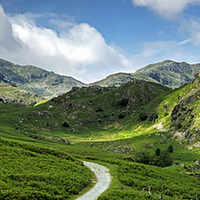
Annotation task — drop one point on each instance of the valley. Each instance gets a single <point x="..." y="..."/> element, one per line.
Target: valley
<point x="147" y="134"/>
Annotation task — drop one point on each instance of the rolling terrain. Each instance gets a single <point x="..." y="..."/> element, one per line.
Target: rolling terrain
<point x="147" y="134"/>
<point x="48" y="84"/>
<point x="13" y="94"/>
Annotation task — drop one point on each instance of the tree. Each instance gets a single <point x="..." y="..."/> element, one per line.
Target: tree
<point x="170" y="148"/>
<point x="157" y="151"/>
<point x="164" y="159"/>
<point x="65" y="124"/>
<point x="142" y="157"/>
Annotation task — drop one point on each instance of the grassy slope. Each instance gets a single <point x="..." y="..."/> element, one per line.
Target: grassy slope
<point x="129" y="132"/>
<point x="13" y="94"/>
<point x="30" y="172"/>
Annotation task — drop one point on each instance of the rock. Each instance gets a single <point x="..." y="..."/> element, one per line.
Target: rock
<point x="197" y="144"/>
<point x="192" y="167"/>
<point x="72" y="117"/>
<point x="197" y="162"/>
<point x="182" y="166"/>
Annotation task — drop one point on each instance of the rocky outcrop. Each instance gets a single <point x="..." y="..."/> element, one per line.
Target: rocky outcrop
<point x="33" y="79"/>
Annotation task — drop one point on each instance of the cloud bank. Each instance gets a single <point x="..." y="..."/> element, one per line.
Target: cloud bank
<point x="166" y="8"/>
<point x="78" y="50"/>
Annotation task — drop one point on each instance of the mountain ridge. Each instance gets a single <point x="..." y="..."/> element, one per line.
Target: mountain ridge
<point x="169" y="73"/>
<point x="42" y="82"/>
<point x="48" y="84"/>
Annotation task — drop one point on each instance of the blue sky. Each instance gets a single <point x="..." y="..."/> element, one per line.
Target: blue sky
<point x="90" y="39"/>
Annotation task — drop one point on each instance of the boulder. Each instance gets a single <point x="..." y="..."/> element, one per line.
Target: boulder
<point x="197" y="162"/>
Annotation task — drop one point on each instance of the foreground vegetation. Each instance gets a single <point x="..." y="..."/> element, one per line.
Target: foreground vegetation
<point x="148" y="182"/>
<point x="29" y="172"/>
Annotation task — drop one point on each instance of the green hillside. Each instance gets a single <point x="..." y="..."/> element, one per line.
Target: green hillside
<point x="11" y="94"/>
<point x="30" y="172"/>
<point x="145" y="133"/>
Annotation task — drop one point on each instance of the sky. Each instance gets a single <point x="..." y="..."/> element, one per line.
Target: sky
<point x="91" y="39"/>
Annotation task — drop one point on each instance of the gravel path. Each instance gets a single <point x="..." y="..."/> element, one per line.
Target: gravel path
<point x="103" y="181"/>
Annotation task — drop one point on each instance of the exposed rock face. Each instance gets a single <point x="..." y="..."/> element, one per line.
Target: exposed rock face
<point x="168" y="73"/>
<point x="9" y="93"/>
<point x="197" y="162"/>
<point x="33" y="79"/>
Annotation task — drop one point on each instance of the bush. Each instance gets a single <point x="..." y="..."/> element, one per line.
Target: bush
<point x="142" y="157"/>
<point x="122" y="103"/>
<point x="99" y="109"/>
<point x="157" y="152"/>
<point x="164" y="159"/>
<point x="143" y="116"/>
<point x="121" y="115"/>
<point x="65" y="124"/>
<point x="170" y="149"/>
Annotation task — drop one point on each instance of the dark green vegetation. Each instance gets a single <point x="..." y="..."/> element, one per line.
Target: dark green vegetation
<point x="30" y="172"/>
<point x="148" y="182"/>
<point x="168" y="73"/>
<point x="36" y="80"/>
<point x="117" y="126"/>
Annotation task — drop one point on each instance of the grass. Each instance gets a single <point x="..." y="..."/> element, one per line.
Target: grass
<point x="30" y="172"/>
<point x="95" y="137"/>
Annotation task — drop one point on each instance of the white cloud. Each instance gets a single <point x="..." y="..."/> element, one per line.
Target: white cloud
<point x="167" y="8"/>
<point x="191" y="28"/>
<point x="79" y="50"/>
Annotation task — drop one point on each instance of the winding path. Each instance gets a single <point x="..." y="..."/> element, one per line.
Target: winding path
<point x="103" y="181"/>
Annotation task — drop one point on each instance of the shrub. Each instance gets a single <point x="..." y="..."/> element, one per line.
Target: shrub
<point x="164" y="159"/>
<point x="65" y="124"/>
<point x="170" y="148"/>
<point x="121" y="115"/>
<point x="157" y="152"/>
<point x="143" y="116"/>
<point x="99" y="109"/>
<point x="122" y="103"/>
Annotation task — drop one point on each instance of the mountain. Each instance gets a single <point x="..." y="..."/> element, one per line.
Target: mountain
<point x="137" y="106"/>
<point x="33" y="79"/>
<point x="115" y="80"/>
<point x="48" y="84"/>
<point x="95" y="110"/>
<point x="168" y="73"/>
<point x="12" y="94"/>
<point x="117" y="126"/>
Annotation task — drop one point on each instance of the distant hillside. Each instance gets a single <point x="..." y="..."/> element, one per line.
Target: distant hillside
<point x="85" y="110"/>
<point x="135" y="107"/>
<point x="115" y="80"/>
<point x="33" y="79"/>
<point x="12" y="94"/>
<point x="168" y="73"/>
